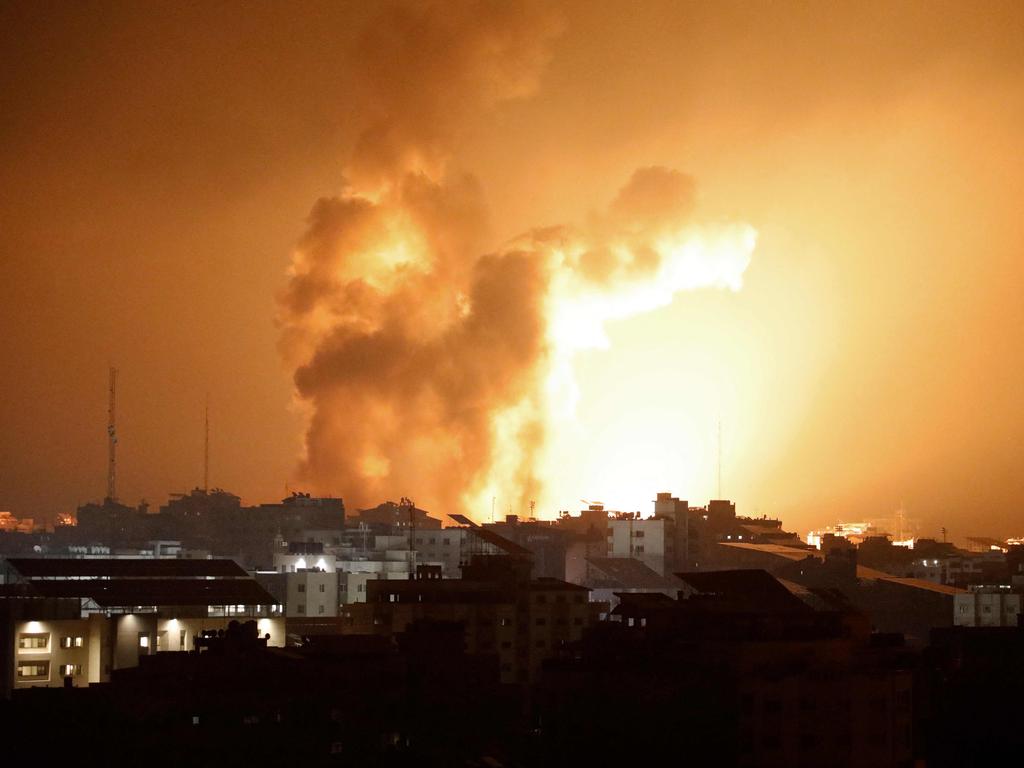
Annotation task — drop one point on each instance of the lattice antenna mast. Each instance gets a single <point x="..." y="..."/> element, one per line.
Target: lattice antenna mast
<point x="112" y="439"/>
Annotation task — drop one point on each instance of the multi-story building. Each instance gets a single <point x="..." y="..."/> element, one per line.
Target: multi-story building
<point x="75" y="621"/>
<point x="521" y="620"/>
<point x="987" y="606"/>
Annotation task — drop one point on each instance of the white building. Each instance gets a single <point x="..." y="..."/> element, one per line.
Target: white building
<point x="83" y="618"/>
<point x="987" y="606"/>
<point x="312" y="593"/>
<point x="650" y="541"/>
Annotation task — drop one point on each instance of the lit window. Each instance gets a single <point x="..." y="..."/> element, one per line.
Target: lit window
<point x="70" y="670"/>
<point x="71" y="642"/>
<point x="34" y="641"/>
<point x="33" y="670"/>
<point x="143" y="640"/>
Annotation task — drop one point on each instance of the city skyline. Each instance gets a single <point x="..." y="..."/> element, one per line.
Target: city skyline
<point x="863" y="358"/>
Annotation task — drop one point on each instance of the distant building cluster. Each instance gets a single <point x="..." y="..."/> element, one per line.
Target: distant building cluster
<point x="582" y="631"/>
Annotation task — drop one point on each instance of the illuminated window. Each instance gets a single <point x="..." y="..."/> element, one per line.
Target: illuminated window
<point x="71" y="642"/>
<point x="72" y="670"/>
<point x="143" y="640"/>
<point x="33" y="670"/>
<point x="33" y="641"/>
<point x="182" y="645"/>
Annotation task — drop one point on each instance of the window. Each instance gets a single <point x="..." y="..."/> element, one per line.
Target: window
<point x="182" y="645"/>
<point x="638" y="535"/>
<point x="361" y="587"/>
<point x="72" y="670"/>
<point x="33" y="641"/>
<point x="321" y="609"/>
<point x="71" y="642"/>
<point x="302" y="587"/>
<point x="506" y="622"/>
<point x="143" y="640"/>
<point x="33" y="670"/>
<point x="300" y="608"/>
<point x="321" y="587"/>
<point x="161" y="641"/>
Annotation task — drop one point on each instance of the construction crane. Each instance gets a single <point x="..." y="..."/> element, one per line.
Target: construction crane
<point x="112" y="440"/>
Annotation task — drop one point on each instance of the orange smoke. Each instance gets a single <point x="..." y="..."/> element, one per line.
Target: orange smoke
<point x="425" y="367"/>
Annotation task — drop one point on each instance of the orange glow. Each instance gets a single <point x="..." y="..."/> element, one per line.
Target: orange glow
<point x="405" y="255"/>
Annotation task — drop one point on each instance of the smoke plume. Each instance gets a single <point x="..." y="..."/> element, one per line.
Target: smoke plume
<point x="427" y="368"/>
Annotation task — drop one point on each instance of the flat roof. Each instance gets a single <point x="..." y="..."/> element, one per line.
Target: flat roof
<point x="68" y="568"/>
<point x="109" y="593"/>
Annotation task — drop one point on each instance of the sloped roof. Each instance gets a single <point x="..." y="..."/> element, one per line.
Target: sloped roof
<point x="626" y="572"/>
<point x="779" y="550"/>
<point x="752" y="590"/>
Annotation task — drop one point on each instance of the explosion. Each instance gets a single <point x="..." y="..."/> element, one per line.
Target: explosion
<point x="425" y="366"/>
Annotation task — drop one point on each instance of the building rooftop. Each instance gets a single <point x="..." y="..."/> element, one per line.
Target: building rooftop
<point x="140" y="568"/>
<point x="627" y="572"/>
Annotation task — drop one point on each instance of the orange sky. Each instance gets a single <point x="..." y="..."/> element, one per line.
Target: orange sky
<point x="157" y="164"/>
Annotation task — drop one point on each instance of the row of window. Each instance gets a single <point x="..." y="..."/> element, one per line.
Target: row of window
<point x="301" y="608"/>
<point x="40" y="670"/>
<point x="40" y="641"/>
<point x="302" y="587"/>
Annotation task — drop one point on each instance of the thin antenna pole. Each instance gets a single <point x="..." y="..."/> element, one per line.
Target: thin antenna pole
<point x="720" y="459"/>
<point x="206" y="450"/>
<point x="112" y="439"/>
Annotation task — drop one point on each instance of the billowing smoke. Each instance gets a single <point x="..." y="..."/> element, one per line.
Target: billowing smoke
<point x="427" y="368"/>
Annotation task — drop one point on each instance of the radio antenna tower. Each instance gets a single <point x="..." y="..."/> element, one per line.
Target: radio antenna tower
<point x="720" y="458"/>
<point x="112" y="440"/>
<point x="206" y="449"/>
